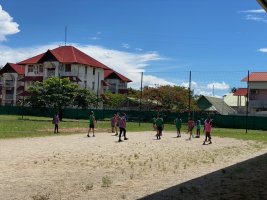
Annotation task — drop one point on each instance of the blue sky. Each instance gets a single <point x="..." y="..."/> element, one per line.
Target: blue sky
<point x="219" y="42"/>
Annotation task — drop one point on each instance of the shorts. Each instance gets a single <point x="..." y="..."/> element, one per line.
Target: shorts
<point x="190" y="128"/>
<point x="91" y="126"/>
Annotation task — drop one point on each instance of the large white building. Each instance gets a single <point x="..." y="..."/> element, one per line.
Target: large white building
<point x="64" y="61"/>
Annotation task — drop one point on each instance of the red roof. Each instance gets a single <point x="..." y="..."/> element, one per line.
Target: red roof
<point x="11" y="67"/>
<point x="67" y="54"/>
<point x="107" y="73"/>
<point x="256" y="77"/>
<point x="241" y="92"/>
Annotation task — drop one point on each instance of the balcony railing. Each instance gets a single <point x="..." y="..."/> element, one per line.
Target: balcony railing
<point x="9" y="96"/>
<point x="258" y="103"/>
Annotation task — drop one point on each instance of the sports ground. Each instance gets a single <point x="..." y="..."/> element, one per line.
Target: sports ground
<point x="76" y="167"/>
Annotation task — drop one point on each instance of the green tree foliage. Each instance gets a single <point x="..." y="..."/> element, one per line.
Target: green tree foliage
<point x="114" y="100"/>
<point x="173" y="98"/>
<point x="84" y="98"/>
<point x="59" y="93"/>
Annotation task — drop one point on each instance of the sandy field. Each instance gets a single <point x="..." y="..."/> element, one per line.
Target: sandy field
<point x="77" y="167"/>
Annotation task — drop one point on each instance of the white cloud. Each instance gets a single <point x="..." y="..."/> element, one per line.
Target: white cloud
<point x="125" y="45"/>
<point x="256" y="18"/>
<point x="218" y="86"/>
<point x="94" y="38"/>
<point x="138" y="49"/>
<point x="7" y="26"/>
<point x="263" y="50"/>
<point x="253" y="11"/>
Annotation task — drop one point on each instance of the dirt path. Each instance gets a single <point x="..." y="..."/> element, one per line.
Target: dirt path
<point x="77" y="167"/>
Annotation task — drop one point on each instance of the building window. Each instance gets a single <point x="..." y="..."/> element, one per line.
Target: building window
<point x="30" y="68"/>
<point x="85" y="84"/>
<point x="41" y="69"/>
<point x="93" y="85"/>
<point x="94" y="71"/>
<point x="85" y="70"/>
<point x="254" y="91"/>
<point x="67" y="67"/>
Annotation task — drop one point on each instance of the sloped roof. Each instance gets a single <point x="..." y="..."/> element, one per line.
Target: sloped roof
<point x="215" y="104"/>
<point x="107" y="73"/>
<point x="241" y="92"/>
<point x="67" y="54"/>
<point x="11" y="67"/>
<point x="256" y="77"/>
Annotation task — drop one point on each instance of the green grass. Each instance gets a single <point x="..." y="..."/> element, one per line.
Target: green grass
<point x="13" y="126"/>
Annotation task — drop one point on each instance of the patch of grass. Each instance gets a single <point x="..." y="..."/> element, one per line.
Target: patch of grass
<point x="41" y="197"/>
<point x="106" y="181"/>
<point x="241" y="134"/>
<point x="13" y="126"/>
<point x="89" y="186"/>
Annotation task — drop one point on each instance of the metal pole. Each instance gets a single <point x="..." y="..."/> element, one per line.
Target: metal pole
<point x="66" y="35"/>
<point x="189" y="95"/>
<point x="141" y="94"/>
<point x="247" y="102"/>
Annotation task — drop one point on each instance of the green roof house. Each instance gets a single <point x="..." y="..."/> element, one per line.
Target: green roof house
<point x="214" y="104"/>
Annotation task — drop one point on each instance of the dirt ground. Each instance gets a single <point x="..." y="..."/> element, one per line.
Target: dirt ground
<point x="77" y="167"/>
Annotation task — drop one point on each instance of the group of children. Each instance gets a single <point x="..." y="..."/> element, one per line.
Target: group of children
<point x="118" y="121"/>
<point x="191" y="124"/>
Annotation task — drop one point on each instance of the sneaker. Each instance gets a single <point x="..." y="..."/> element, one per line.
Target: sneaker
<point x="204" y="143"/>
<point x="88" y="135"/>
<point x="210" y="142"/>
<point x="120" y="140"/>
<point x="125" y="138"/>
<point x="93" y="135"/>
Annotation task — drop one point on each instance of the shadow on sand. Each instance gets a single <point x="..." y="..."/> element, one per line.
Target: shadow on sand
<point x="245" y="180"/>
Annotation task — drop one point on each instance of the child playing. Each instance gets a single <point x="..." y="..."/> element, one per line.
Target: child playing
<point x="122" y="126"/>
<point x="208" y="127"/>
<point x="154" y="123"/>
<point x="178" y="124"/>
<point x="91" y="124"/>
<point x="114" y="124"/>
<point x="191" y="125"/>
<point x="198" y="125"/>
<point x="55" y="121"/>
<point x="160" y="126"/>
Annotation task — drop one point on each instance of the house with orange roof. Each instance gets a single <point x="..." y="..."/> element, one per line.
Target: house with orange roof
<point x="116" y="82"/>
<point x="257" y="91"/>
<point x="63" y="62"/>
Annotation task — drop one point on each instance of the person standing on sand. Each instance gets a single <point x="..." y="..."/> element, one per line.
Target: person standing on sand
<point x="113" y="124"/>
<point x="122" y="126"/>
<point x="117" y="118"/>
<point x="91" y="124"/>
<point x="178" y="124"/>
<point x="198" y="125"/>
<point x="208" y="127"/>
<point x="160" y="126"/>
<point x="55" y="121"/>
<point x="191" y="125"/>
<point x="154" y="123"/>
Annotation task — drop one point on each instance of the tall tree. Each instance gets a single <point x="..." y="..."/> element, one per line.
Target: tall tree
<point x="58" y="94"/>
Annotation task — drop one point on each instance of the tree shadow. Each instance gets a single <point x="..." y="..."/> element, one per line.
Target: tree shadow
<point x="245" y="180"/>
